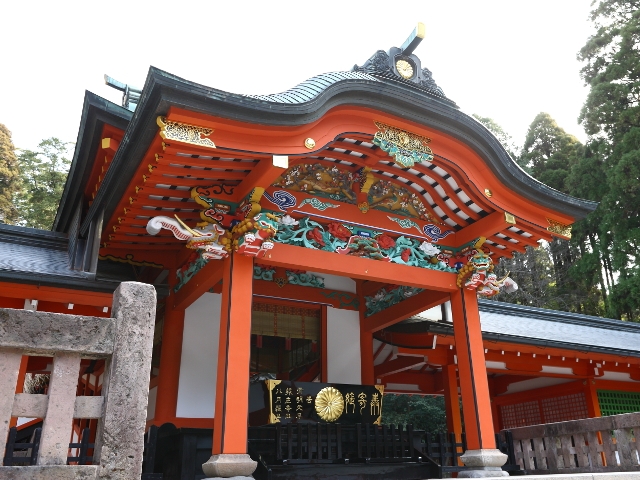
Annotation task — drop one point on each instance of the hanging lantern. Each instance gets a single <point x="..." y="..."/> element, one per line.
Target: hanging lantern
<point x="259" y="341"/>
<point x="287" y="344"/>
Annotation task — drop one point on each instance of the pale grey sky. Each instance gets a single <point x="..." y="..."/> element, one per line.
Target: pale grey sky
<point x="505" y="59"/>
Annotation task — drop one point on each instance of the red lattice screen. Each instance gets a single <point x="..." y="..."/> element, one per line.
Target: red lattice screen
<point x="520" y="414"/>
<point x="567" y="407"/>
<point x="546" y="410"/>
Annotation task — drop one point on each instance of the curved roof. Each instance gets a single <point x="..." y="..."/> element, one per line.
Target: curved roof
<point x="443" y="183"/>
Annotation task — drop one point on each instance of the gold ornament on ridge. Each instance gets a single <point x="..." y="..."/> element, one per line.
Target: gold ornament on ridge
<point x="185" y="133"/>
<point x="559" y="228"/>
<point x="405" y="69"/>
<point x="329" y="404"/>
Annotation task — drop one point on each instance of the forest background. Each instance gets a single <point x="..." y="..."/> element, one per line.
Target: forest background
<point x="597" y="272"/>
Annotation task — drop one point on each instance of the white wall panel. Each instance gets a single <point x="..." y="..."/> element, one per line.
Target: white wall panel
<point x="343" y="346"/>
<point x="198" y="365"/>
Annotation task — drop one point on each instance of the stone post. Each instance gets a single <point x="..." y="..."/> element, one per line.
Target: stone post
<point x="119" y="441"/>
<point x="56" y="427"/>
<point x="9" y="367"/>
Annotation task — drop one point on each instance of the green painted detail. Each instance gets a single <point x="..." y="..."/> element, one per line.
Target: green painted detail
<point x="362" y="242"/>
<point x="346" y="300"/>
<point x="188" y="270"/>
<point x="405" y="157"/>
<point x="317" y="204"/>
<point x="405" y="223"/>
<point x="263" y="273"/>
<point x="304" y="279"/>
<point x="387" y="298"/>
<point x="614" y="402"/>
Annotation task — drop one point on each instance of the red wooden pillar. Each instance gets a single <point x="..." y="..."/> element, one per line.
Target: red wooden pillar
<point x="367" y="372"/>
<point x="591" y="395"/>
<point x="474" y="387"/>
<point x="234" y="354"/>
<point x="170" y="355"/>
<point x="452" y="400"/>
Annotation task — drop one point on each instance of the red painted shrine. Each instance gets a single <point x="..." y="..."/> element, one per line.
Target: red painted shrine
<point x="340" y="232"/>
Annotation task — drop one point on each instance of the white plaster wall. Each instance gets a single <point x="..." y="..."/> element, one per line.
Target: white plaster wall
<point x="151" y="405"/>
<point x="343" y="346"/>
<point x="335" y="282"/>
<point x="198" y="365"/>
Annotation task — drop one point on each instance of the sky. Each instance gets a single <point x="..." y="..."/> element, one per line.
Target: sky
<point x="508" y="60"/>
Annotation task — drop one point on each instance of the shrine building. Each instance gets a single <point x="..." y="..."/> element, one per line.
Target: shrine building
<point x="313" y="251"/>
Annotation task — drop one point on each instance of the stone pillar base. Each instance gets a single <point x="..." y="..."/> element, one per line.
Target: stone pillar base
<point x="485" y="463"/>
<point x="230" y="466"/>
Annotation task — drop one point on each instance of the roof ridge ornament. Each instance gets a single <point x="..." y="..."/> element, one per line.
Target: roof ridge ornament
<point x="130" y="95"/>
<point x="401" y="63"/>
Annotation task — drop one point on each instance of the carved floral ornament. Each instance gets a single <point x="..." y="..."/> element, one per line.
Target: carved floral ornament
<point x="406" y="148"/>
<point x="559" y="228"/>
<point x="246" y="229"/>
<point x="185" y="133"/>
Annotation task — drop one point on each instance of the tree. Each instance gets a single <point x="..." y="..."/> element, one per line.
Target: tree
<point x="44" y="173"/>
<point x="549" y="152"/>
<point x="612" y="69"/>
<point x="503" y="137"/>
<point x="424" y="413"/>
<point x="611" y="115"/>
<point x="9" y="176"/>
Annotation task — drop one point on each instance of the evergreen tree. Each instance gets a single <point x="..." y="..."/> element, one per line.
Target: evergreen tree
<point x="424" y="413"/>
<point x="44" y="173"/>
<point x="9" y="176"/>
<point x="611" y="168"/>
<point x="549" y="152"/>
<point x="503" y="137"/>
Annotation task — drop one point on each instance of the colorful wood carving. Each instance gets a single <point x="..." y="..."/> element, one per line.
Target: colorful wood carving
<point x="354" y="240"/>
<point x="478" y="275"/>
<point x="361" y="188"/>
<point x="406" y="148"/>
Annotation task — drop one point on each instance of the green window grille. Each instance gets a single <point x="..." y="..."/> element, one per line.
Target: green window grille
<point x="615" y="403"/>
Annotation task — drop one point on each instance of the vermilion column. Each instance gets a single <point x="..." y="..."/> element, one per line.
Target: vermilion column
<point x="367" y="372"/>
<point x="474" y="387"/>
<point x="234" y="352"/>
<point x="591" y="394"/>
<point x="452" y="400"/>
<point x="170" y="355"/>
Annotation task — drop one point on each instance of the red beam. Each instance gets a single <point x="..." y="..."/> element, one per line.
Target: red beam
<point x="320" y="261"/>
<point x="262" y="175"/>
<point x="403" y="310"/>
<point x="324" y="296"/>
<point x="200" y="283"/>
<point x="485" y="227"/>
<point x="398" y="365"/>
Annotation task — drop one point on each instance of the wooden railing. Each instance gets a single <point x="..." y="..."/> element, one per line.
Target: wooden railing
<point x="605" y="444"/>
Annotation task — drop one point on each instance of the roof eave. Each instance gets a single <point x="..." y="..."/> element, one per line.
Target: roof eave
<point x="96" y="111"/>
<point x="163" y="90"/>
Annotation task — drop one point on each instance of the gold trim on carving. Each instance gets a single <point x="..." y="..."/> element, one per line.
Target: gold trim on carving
<point x="509" y="218"/>
<point x="558" y="228"/>
<point x="402" y="138"/>
<point x="488" y="193"/>
<point x="129" y="259"/>
<point x="310" y="143"/>
<point x="329" y="404"/>
<point x="271" y="384"/>
<point x="185" y="133"/>
<point x="380" y="388"/>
